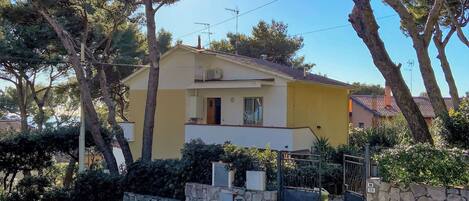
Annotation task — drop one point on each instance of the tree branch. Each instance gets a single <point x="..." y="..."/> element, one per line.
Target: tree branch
<point x="406" y="17"/>
<point x="432" y="19"/>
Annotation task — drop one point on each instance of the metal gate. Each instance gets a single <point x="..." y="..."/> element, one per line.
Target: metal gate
<point x="356" y="171"/>
<point x="299" y="176"/>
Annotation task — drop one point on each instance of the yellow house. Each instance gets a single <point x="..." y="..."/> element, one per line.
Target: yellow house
<point x="219" y="97"/>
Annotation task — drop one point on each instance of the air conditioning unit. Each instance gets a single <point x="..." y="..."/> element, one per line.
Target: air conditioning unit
<point x="214" y="74"/>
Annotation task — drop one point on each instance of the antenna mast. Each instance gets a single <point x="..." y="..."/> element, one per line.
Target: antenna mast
<point x="410" y="63"/>
<point x="236" y="12"/>
<point x="207" y="27"/>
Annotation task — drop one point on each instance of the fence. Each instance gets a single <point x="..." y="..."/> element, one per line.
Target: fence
<point x="299" y="176"/>
<point x="356" y="170"/>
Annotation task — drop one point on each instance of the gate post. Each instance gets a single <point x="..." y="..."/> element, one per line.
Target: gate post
<point x="280" y="175"/>
<point x="367" y="164"/>
<point x="320" y="173"/>
<point x="367" y="161"/>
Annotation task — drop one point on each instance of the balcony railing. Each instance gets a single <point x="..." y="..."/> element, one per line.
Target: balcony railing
<point x="276" y="138"/>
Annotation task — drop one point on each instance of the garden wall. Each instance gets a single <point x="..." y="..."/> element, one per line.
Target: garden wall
<point x="382" y="191"/>
<point x="203" y="192"/>
<point x="136" y="197"/>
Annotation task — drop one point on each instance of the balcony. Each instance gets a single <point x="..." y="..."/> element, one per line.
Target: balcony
<point x="277" y="138"/>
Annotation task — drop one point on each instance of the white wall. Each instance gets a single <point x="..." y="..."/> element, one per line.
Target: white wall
<point x="232" y="104"/>
<point x="176" y="72"/>
<point x="259" y="137"/>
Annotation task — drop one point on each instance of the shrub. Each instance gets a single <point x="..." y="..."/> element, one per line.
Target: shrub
<point x="159" y="177"/>
<point x="57" y="194"/>
<point x="30" y="188"/>
<point x="456" y="133"/>
<point x="422" y="163"/>
<point x="386" y="134"/>
<point x="244" y="159"/>
<point x="197" y="159"/>
<point x="167" y="178"/>
<point x="97" y="186"/>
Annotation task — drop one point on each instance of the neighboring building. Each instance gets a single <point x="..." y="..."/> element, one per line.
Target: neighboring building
<point x="10" y="125"/>
<point x="219" y="97"/>
<point x="368" y="110"/>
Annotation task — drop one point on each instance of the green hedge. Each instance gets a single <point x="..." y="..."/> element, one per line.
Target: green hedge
<point x="167" y="178"/>
<point x="423" y="163"/>
<point x="96" y="185"/>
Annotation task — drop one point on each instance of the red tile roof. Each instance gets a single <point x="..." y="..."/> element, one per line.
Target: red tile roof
<point x="424" y="104"/>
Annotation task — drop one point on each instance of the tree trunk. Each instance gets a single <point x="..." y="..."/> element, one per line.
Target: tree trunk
<point x="364" y="23"/>
<point x="440" y="45"/>
<point x="68" y="178"/>
<point x="116" y="129"/>
<point x="421" y="40"/>
<point x="153" y="79"/>
<point x="429" y="79"/>
<point x="40" y="118"/>
<point x="22" y="104"/>
<point x="91" y="115"/>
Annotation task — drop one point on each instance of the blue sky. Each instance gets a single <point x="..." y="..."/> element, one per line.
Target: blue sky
<point x="338" y="52"/>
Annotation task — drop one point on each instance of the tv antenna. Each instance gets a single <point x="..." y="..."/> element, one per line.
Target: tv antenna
<point x="410" y="68"/>
<point x="236" y="12"/>
<point x="207" y="27"/>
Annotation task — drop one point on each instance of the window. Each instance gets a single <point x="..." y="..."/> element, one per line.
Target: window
<point x="253" y="111"/>
<point x="361" y="125"/>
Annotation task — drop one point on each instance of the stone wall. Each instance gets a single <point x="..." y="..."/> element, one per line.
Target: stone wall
<point x="137" y="197"/>
<point x="382" y="191"/>
<point x="202" y="192"/>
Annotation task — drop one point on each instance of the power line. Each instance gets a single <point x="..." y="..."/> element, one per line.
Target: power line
<point x="42" y="61"/>
<point x="337" y="26"/>
<point x="229" y="19"/>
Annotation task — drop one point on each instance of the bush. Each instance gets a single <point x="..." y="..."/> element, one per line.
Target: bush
<point x="167" y="178"/>
<point x="159" y="177"/>
<point x="197" y="159"/>
<point x="30" y="188"/>
<point x="97" y="186"/>
<point x="456" y="133"/>
<point x="423" y="163"/>
<point x="387" y="134"/>
<point x="244" y="159"/>
<point x="57" y="194"/>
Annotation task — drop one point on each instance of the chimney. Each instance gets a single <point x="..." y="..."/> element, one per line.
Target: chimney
<point x="305" y="72"/>
<point x="387" y="96"/>
<point x="199" y="41"/>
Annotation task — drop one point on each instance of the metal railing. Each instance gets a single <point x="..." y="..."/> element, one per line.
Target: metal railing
<point x="356" y="169"/>
<point x="299" y="171"/>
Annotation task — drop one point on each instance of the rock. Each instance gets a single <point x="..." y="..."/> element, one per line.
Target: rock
<point x="423" y="198"/>
<point x="407" y="196"/>
<point x="383" y="197"/>
<point x="437" y="193"/>
<point x="268" y="195"/>
<point x="454" y="197"/>
<point x="452" y="191"/>
<point x="384" y="186"/>
<point x="257" y="197"/>
<point x="394" y="194"/>
<point x="418" y="190"/>
<point x="465" y="193"/>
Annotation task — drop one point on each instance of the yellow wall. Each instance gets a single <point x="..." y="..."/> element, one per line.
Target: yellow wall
<point x="168" y="137"/>
<point x="316" y="105"/>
